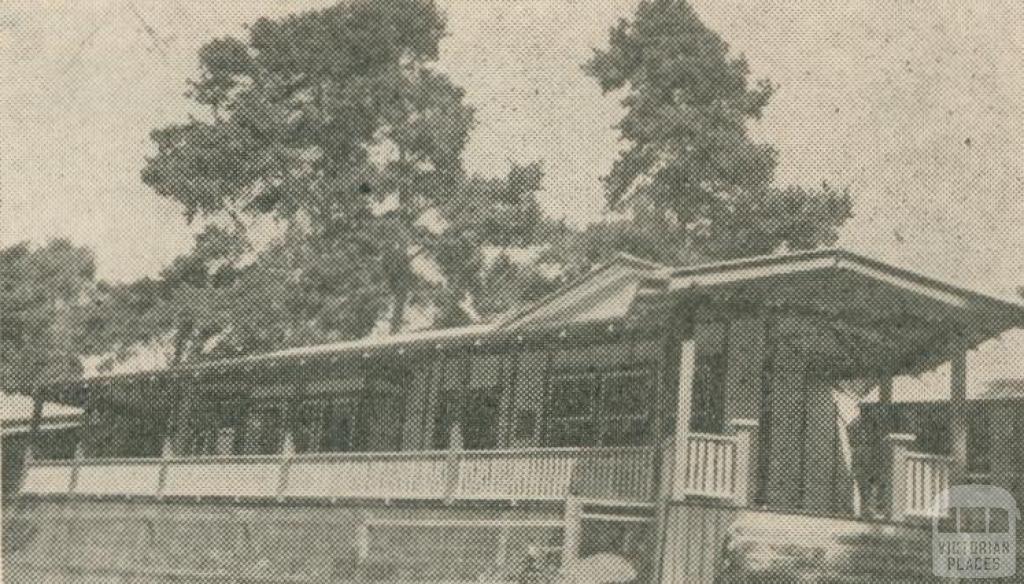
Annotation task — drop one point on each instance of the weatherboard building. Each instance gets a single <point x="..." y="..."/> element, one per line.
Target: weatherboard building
<point x="674" y="417"/>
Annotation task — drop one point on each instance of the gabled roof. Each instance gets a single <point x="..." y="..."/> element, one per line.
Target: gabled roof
<point x="606" y="293"/>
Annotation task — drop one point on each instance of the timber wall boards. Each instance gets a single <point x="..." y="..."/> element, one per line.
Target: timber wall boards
<point x="79" y="541"/>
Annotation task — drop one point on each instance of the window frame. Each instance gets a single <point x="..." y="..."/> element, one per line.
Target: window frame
<point x="597" y="420"/>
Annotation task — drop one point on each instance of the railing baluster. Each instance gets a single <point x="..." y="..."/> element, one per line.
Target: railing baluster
<point x="546" y="473"/>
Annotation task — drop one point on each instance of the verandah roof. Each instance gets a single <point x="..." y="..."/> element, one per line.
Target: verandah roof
<point x="893" y="319"/>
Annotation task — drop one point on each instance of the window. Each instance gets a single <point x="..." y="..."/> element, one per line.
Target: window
<point x="571" y="410"/>
<point x="263" y="431"/>
<point x="625" y="398"/>
<point x="325" y="424"/>
<point x="219" y="427"/>
<point x="380" y="416"/>
<point x="526" y="424"/>
<point x="607" y="408"/>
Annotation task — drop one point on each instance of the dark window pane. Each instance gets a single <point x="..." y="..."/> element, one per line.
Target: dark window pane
<point x="480" y="418"/>
<point x="624" y="394"/>
<point x="572" y="396"/>
<point x="947" y="524"/>
<point x="998" y="520"/>
<point x="263" y="431"/>
<point x="565" y="433"/>
<point x="708" y="414"/>
<point x="526" y="424"/>
<point x="972" y="519"/>
<point x="626" y="432"/>
<point x="978" y="443"/>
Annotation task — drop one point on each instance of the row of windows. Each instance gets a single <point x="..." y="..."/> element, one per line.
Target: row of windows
<point x="319" y="424"/>
<point x="611" y="407"/>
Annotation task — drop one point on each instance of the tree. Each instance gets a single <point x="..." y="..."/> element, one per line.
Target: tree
<point x="695" y="184"/>
<point x="39" y="289"/>
<point x="333" y="128"/>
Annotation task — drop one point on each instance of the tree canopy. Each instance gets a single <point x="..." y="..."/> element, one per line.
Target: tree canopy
<point x="333" y="127"/>
<point x="326" y="174"/>
<point x="38" y="290"/>
<point x="693" y="181"/>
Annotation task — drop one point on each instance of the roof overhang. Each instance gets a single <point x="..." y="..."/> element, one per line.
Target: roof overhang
<point x="762" y="267"/>
<point x="897" y="316"/>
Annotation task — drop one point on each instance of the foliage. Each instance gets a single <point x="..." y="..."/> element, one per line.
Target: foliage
<point x="38" y="290"/>
<point x="694" y="182"/>
<point x="333" y="125"/>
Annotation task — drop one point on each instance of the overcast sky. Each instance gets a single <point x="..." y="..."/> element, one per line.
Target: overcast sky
<point x="917" y="106"/>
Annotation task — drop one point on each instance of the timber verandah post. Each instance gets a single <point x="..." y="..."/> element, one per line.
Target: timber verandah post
<point x="33" y="434"/>
<point x="745" y="471"/>
<point x="958" y="414"/>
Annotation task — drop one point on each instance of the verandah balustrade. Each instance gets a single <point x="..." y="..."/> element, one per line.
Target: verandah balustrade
<point x="710" y="466"/>
<point x="526" y="474"/>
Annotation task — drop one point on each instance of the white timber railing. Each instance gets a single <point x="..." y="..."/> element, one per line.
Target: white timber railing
<point x="916" y="480"/>
<point x="927" y="479"/>
<point x="713" y="466"/>
<point x="710" y="466"/>
<point x="524" y="474"/>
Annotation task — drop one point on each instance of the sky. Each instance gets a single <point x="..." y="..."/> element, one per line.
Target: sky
<point x="917" y="106"/>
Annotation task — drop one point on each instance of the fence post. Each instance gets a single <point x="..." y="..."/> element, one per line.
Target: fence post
<point x="899" y="445"/>
<point x="744" y="478"/>
<point x="663" y="495"/>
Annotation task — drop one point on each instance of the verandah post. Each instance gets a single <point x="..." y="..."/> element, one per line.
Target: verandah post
<point x="745" y="477"/>
<point x="958" y="415"/>
<point x="687" y="363"/>
<point x="31" y="452"/>
<point x="452" y="462"/>
<point x="899" y="446"/>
